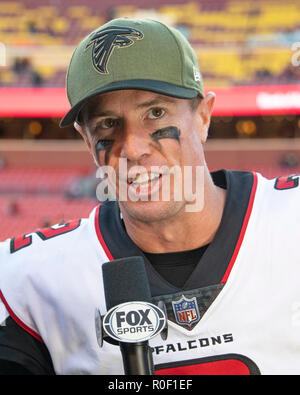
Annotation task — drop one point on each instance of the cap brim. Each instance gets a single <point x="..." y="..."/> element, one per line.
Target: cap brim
<point x="161" y="87"/>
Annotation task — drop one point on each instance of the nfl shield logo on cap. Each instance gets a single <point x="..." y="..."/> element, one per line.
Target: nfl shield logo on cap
<point x="186" y="311"/>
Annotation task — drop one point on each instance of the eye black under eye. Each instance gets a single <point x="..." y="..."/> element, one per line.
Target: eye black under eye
<point x="104" y="144"/>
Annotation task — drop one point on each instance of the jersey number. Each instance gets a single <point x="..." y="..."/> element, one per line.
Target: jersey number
<point x="286" y="182"/>
<point x="227" y="364"/>
<point x="17" y="243"/>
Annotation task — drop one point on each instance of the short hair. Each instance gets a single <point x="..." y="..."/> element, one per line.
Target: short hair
<point x="194" y="103"/>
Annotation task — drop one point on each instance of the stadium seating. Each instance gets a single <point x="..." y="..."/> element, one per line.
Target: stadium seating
<point x="27" y="214"/>
<point x="32" y="198"/>
<point x="253" y="39"/>
<point x="34" y="180"/>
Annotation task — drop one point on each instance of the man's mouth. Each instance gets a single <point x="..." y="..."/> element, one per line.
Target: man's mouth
<point x="144" y="186"/>
<point x="143" y="180"/>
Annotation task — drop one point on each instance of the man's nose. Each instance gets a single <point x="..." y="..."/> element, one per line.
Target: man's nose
<point x="136" y="142"/>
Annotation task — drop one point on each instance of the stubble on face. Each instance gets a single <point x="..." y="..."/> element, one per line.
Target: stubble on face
<point x="171" y="146"/>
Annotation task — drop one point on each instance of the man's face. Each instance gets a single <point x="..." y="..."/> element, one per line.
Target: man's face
<point x="141" y="136"/>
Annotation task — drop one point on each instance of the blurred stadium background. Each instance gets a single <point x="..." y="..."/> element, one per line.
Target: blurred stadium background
<point x="249" y="54"/>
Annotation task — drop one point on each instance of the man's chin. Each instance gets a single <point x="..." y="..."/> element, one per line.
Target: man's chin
<point x="150" y="211"/>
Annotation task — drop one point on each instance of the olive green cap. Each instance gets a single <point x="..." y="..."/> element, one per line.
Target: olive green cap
<point x="132" y="54"/>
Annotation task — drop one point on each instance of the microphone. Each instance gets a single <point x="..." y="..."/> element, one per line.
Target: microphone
<point x="131" y="318"/>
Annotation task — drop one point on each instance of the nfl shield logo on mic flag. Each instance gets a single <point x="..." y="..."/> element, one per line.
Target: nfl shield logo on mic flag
<point x="186" y="311"/>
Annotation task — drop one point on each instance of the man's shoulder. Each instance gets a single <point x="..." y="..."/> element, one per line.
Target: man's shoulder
<point x="66" y="244"/>
<point x="281" y="188"/>
<point x="276" y="204"/>
<point x="44" y="240"/>
<point x="278" y="196"/>
<point x="47" y="275"/>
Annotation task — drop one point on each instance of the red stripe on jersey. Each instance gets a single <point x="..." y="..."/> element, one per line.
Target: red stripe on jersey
<point x="18" y="321"/>
<point x="99" y="234"/>
<point x="243" y="230"/>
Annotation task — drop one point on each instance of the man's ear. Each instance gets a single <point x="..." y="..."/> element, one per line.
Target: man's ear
<point x="205" y="110"/>
<point x="80" y="129"/>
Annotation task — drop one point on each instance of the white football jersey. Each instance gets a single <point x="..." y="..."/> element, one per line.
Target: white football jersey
<point x="238" y="313"/>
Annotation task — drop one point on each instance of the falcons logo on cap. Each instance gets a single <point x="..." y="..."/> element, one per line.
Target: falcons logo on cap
<point x="104" y="42"/>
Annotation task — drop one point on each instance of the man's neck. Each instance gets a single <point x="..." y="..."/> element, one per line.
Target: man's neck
<point x="185" y="230"/>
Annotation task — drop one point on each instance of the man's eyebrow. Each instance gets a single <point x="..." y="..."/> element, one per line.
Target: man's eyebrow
<point x="155" y="102"/>
<point x="100" y="114"/>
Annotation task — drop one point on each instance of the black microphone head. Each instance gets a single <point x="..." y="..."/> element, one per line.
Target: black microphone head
<point x="125" y="280"/>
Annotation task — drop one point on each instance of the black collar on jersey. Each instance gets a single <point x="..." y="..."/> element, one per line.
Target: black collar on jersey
<point x="215" y="265"/>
